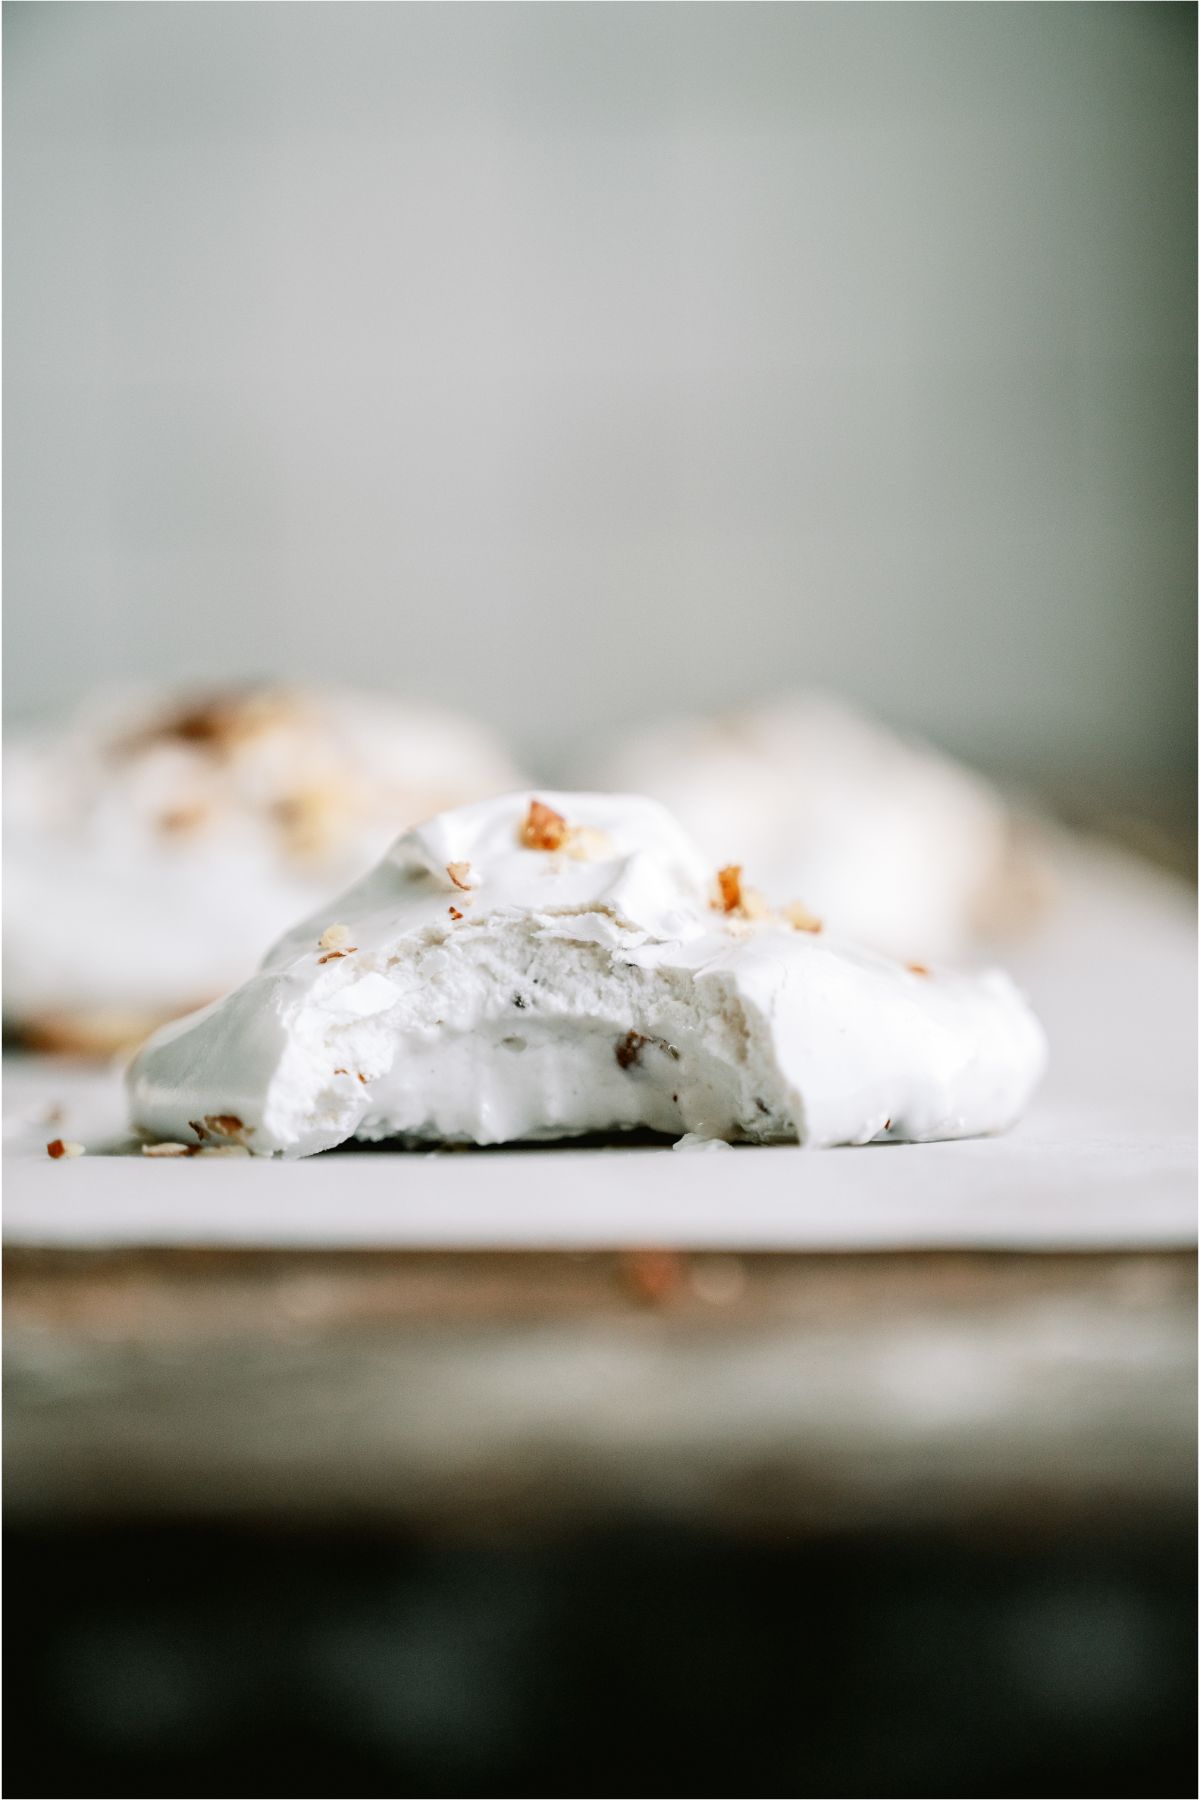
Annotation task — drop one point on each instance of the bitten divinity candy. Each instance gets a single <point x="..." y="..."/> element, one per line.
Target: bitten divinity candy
<point x="537" y="967"/>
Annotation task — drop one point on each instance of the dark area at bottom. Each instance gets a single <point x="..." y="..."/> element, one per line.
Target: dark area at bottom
<point x="177" y="1660"/>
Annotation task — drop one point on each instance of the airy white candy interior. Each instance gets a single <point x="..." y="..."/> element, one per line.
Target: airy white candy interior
<point x="508" y="1031"/>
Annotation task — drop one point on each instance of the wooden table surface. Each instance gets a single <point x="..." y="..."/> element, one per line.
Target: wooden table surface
<point x="464" y="1391"/>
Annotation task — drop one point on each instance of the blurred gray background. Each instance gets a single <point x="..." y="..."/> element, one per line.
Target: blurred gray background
<point x="575" y="363"/>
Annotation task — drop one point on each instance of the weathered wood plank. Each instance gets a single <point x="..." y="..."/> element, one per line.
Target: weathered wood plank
<point x="468" y="1391"/>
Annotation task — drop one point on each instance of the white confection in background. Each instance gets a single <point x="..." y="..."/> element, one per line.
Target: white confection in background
<point x="155" y="843"/>
<point x="500" y="978"/>
<point x="883" y="838"/>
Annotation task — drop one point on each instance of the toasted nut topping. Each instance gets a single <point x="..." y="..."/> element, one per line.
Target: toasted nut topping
<point x="312" y="819"/>
<point x="225" y="1125"/>
<point x="544" y="829"/>
<point x="334" y="937"/>
<point x="454" y="912"/>
<point x="586" y="844"/>
<point x="168" y="1149"/>
<point x="64" y="1147"/>
<point x="460" y="874"/>
<point x="753" y="905"/>
<point x="182" y="819"/>
<point x="800" y="919"/>
<point x="733" y="897"/>
<point x="917" y="968"/>
<point x="729" y="882"/>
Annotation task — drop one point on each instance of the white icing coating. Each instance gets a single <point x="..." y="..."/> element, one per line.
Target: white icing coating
<point x="578" y="994"/>
<point x="886" y="840"/>
<point x="154" y="844"/>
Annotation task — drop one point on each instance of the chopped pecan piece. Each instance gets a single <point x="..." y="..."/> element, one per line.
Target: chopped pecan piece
<point x="179" y="820"/>
<point x="226" y="1125"/>
<point x="729" y="884"/>
<point x="586" y="844"/>
<point x="733" y="897"/>
<point x="64" y="1147"/>
<point x="544" y="829"/>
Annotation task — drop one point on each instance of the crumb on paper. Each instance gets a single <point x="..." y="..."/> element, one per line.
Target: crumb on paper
<point x="169" y="1149"/>
<point x="543" y="828"/>
<point x="800" y="919"/>
<point x="460" y="874"/>
<point x="916" y="968"/>
<point x="334" y="937"/>
<point x="336" y="955"/>
<point x="754" y="905"/>
<point x="64" y="1147"/>
<point x="696" y="1140"/>
<point x="454" y="912"/>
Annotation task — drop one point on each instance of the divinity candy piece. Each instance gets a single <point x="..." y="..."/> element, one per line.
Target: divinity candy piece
<point x="154" y="844"/>
<point x="886" y="840"/>
<point x="564" y="994"/>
